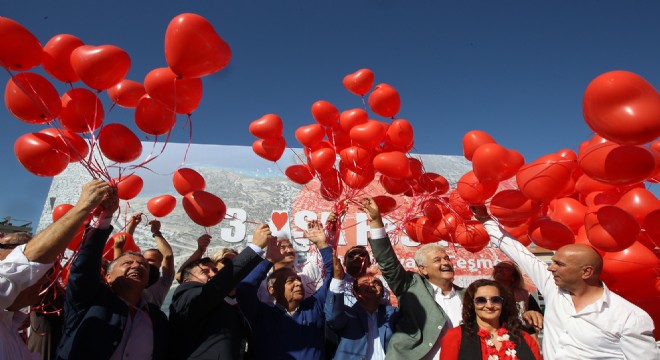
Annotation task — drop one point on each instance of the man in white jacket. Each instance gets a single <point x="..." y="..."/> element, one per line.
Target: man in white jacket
<point x="583" y="318"/>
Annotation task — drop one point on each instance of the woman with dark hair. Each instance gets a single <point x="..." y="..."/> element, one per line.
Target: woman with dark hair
<point x="510" y="277"/>
<point x="490" y="329"/>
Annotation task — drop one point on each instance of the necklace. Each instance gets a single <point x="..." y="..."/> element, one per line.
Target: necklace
<point x="507" y="349"/>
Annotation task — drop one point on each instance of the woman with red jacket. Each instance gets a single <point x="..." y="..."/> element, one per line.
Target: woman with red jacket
<point x="490" y="329"/>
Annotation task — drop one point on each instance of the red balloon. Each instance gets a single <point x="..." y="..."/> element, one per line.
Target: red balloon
<point x="433" y="183"/>
<point x="331" y="185"/>
<point x="126" y="93"/>
<point x="393" y="164"/>
<point x="19" y="49"/>
<point x="394" y="186"/>
<point x="601" y="198"/>
<point x="77" y="146"/>
<point x="100" y="67"/>
<point x="322" y="159"/>
<point x="433" y="209"/>
<point x="474" y="191"/>
<point x="622" y="107"/>
<point x="118" y="143"/>
<point x="638" y="203"/>
<point x="299" y="174"/>
<point x="550" y="234"/>
<point x="385" y="203"/>
<point x="193" y="48"/>
<point x="472" y="140"/>
<point x="57" y="57"/>
<point x="622" y="269"/>
<point x="325" y="113"/>
<point x="349" y="118"/>
<point x="411" y="229"/>
<point x="356" y="157"/>
<point x="186" y="180"/>
<point x="446" y="227"/>
<point x="423" y="230"/>
<point x="492" y="162"/>
<point x="616" y="164"/>
<point x="268" y="126"/>
<point x="385" y="101"/>
<point x="179" y="95"/>
<point x="128" y="187"/>
<point x="359" y="82"/>
<point x="651" y="225"/>
<point x="472" y="236"/>
<point x="161" y="206"/>
<point x="204" y="208"/>
<point x="60" y="210"/>
<point x="82" y="111"/>
<point x="41" y="154"/>
<point x="357" y="179"/>
<point x="400" y="134"/>
<point x="458" y="205"/>
<point x="586" y="185"/>
<point x="369" y="134"/>
<point x="129" y="245"/>
<point x="415" y="169"/>
<point x="269" y="149"/>
<point x="611" y="228"/>
<point x="32" y="98"/>
<point x="545" y="178"/>
<point x="338" y="138"/>
<point x="153" y="117"/>
<point x="520" y="233"/>
<point x="310" y="135"/>
<point x="568" y="211"/>
<point x="512" y="206"/>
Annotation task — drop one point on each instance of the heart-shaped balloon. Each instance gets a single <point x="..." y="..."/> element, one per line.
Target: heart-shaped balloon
<point x="268" y="126"/>
<point x="127" y="93"/>
<point x="152" y="117"/>
<point x="325" y="113"/>
<point x="32" y="98"/>
<point x="475" y="191"/>
<point x="400" y="134"/>
<point x="118" y="143"/>
<point x="299" y="173"/>
<point x="355" y="157"/>
<point x="160" y="206"/>
<point x="357" y="179"/>
<point x="392" y="164"/>
<point x="615" y="164"/>
<point x="100" y="67"/>
<point x="310" y="135"/>
<point x="57" y="57"/>
<point x="269" y="149"/>
<point x="369" y="134"/>
<point x="41" y="154"/>
<point x="610" y="228"/>
<point x="359" y="82"/>
<point x="129" y="186"/>
<point x="493" y="162"/>
<point x="179" y="95"/>
<point x="204" y="208"/>
<point x="186" y="180"/>
<point x="623" y="107"/>
<point x="385" y="101"/>
<point x="322" y="160"/>
<point x="472" y="140"/>
<point x="193" y="48"/>
<point x="349" y="118"/>
<point x="78" y="147"/>
<point x="82" y="111"/>
<point x="545" y="178"/>
<point x="20" y="50"/>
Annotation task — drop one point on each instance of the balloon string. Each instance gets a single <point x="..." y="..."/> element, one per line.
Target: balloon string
<point x="241" y="220"/>
<point x="190" y="133"/>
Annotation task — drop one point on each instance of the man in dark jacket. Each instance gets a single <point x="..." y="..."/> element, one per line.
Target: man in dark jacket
<point x="202" y="323"/>
<point x="104" y="319"/>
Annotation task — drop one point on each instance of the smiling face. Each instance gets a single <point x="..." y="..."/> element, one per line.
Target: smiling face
<point x="437" y="266"/>
<point x="357" y="261"/>
<point x="286" y="287"/>
<point x="490" y="311"/>
<point x="368" y="289"/>
<point x="286" y="249"/>
<point x="566" y="269"/>
<point x="129" y="270"/>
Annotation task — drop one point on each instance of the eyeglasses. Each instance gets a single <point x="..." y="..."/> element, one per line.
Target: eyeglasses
<point x="495" y="300"/>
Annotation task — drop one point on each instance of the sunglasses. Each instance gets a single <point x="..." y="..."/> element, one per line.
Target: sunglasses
<point x="495" y="300"/>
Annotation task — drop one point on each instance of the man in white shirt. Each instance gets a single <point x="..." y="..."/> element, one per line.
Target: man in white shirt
<point x="22" y="271"/>
<point x="583" y="318"/>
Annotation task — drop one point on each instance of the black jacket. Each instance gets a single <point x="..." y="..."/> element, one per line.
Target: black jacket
<point x="202" y="324"/>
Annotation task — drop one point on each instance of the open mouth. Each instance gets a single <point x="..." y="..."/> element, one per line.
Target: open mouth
<point x="447" y="269"/>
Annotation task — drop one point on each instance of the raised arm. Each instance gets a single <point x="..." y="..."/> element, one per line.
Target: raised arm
<point x="165" y="249"/>
<point x="202" y="244"/>
<point x="52" y="241"/>
<point x="395" y="274"/>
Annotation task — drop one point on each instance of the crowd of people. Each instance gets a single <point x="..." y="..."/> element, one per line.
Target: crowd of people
<point x="258" y="304"/>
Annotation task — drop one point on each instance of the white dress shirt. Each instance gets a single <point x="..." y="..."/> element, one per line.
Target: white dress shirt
<point x="16" y="274"/>
<point x="137" y="341"/>
<point x="610" y="328"/>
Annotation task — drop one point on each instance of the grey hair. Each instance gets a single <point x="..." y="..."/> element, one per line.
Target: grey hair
<point x="419" y="254"/>
<point x="112" y="263"/>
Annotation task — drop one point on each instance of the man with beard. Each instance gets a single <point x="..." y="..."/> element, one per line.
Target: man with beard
<point x="429" y="302"/>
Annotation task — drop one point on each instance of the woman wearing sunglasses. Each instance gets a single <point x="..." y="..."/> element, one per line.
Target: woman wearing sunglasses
<point x="490" y="329"/>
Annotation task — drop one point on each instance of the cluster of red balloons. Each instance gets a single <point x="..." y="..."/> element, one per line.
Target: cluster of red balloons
<point x="202" y="207"/>
<point x="192" y="50"/>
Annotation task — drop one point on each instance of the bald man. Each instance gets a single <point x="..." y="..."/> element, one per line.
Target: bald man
<point x="583" y="318"/>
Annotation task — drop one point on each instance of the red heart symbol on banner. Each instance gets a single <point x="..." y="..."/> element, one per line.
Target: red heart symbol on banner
<point x="279" y="219"/>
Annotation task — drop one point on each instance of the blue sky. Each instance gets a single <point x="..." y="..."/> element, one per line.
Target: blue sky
<point x="515" y="69"/>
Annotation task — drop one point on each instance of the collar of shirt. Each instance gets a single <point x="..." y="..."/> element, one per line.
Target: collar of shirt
<point x="286" y="311"/>
<point x="437" y="291"/>
<point x="595" y="307"/>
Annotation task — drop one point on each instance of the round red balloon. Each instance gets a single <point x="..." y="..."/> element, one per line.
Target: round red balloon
<point x="472" y="140"/>
<point x="78" y="147"/>
<point x="474" y="191"/>
<point x="204" y="208"/>
<point x="127" y="93"/>
<point x="41" y="154"/>
<point x="394" y="186"/>
<point x="472" y="236"/>
<point x="299" y="174"/>
<point x="512" y="206"/>
<point x="186" y="180"/>
<point x="545" y="178"/>
<point x="179" y="95"/>
<point x="118" y="143"/>
<point x="550" y="234"/>
<point x="82" y="111"/>
<point x="193" y="48"/>
<point x="20" y="50"/>
<point x="611" y="228"/>
<point x="492" y="162"/>
<point x="57" y="57"/>
<point x="153" y="117"/>
<point x="128" y="187"/>
<point x="325" y="113"/>
<point x="32" y="98"/>
<point x="161" y="206"/>
<point x="385" y="101"/>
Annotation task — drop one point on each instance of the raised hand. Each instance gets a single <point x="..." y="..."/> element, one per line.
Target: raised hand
<point x="261" y="236"/>
<point x="480" y="212"/>
<point x="316" y="234"/>
<point x="155" y="226"/>
<point x="369" y="206"/>
<point x="119" y="241"/>
<point x="203" y="242"/>
<point x="93" y="193"/>
<point x="337" y="267"/>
